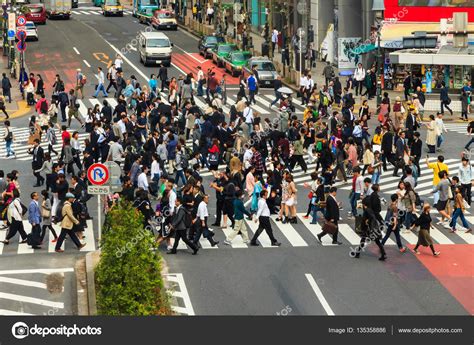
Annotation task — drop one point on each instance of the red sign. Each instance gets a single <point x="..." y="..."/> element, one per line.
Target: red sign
<point x="394" y="12"/>
<point x="21" y="46"/>
<point x="98" y="174"/>
<point x="21" y="34"/>
<point x="21" y="21"/>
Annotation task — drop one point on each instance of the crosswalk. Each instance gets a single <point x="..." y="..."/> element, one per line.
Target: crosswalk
<point x="93" y="12"/>
<point x="48" y="246"/>
<point x="304" y="234"/>
<point x="460" y="128"/>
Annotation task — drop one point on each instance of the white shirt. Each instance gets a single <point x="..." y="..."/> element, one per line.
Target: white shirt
<point x="200" y="75"/>
<point x="14" y="210"/>
<point x="440" y="127"/>
<point x="359" y="74"/>
<point x="202" y="212"/>
<point x="309" y="84"/>
<point x="118" y="62"/>
<point x="172" y="200"/>
<point x="122" y="126"/>
<point x="100" y="77"/>
<point x="142" y="181"/>
<point x="155" y="168"/>
<point x="263" y="210"/>
<point x="303" y="81"/>
<point x="359" y="185"/>
<point x="275" y="36"/>
<point x="465" y="174"/>
<point x="210" y="11"/>
<point x="248" y="114"/>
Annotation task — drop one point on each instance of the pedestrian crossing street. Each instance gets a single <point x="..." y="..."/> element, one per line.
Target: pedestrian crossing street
<point x="303" y="234"/>
<point x="96" y="11"/>
<point x="48" y="246"/>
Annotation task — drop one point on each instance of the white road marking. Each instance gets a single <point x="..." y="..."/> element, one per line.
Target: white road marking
<point x="128" y="61"/>
<point x="350" y="235"/>
<point x="86" y="63"/>
<point x="237" y="242"/>
<point x="189" y="54"/>
<point x="26" y="299"/>
<point x="38" y="270"/>
<point x="77" y="51"/>
<point x="315" y="230"/>
<point x="89" y="240"/>
<point x="182" y="293"/>
<point x="290" y="233"/>
<point x="6" y="312"/>
<point x="319" y="294"/>
<point x="3" y="234"/>
<point x="23" y="282"/>
<point x="263" y="238"/>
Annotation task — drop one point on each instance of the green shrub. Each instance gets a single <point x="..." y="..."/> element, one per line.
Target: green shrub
<point x="128" y="277"/>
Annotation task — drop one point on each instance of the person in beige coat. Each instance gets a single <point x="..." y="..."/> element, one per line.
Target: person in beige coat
<point x="67" y="223"/>
<point x="431" y="134"/>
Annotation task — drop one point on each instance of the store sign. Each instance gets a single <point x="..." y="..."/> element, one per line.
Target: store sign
<point x="392" y="44"/>
<point x="347" y="58"/>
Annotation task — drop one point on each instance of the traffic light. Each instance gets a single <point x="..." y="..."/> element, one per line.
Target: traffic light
<point x="420" y="40"/>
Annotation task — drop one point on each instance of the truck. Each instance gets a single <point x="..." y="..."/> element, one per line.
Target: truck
<point x="58" y="8"/>
<point x="144" y="9"/>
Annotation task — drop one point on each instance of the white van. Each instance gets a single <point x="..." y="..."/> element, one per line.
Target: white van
<point x="154" y="47"/>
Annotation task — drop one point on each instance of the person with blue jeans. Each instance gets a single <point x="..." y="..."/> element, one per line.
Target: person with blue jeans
<point x="459" y="212"/>
<point x="252" y="86"/>
<point x="8" y="139"/>
<point x="277" y="85"/>
<point x="100" y="83"/>
<point x="377" y="166"/>
<point x="178" y="164"/>
<point x="200" y="81"/>
<point x="357" y="189"/>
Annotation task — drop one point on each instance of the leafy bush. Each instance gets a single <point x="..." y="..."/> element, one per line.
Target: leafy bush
<point x="128" y="277"/>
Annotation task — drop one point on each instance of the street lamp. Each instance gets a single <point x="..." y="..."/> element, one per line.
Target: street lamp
<point x="378" y="7"/>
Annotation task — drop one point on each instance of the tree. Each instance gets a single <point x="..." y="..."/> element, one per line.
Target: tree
<point x="128" y="277"/>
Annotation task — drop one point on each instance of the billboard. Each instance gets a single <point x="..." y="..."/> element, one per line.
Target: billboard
<point x="347" y="54"/>
<point x="436" y="3"/>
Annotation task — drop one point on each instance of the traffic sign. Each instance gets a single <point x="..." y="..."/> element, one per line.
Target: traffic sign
<point x="11" y="34"/>
<point x="115" y="172"/>
<point x="98" y="190"/>
<point x="21" y="20"/>
<point x="98" y="174"/>
<point x="21" y="46"/>
<point x="21" y="34"/>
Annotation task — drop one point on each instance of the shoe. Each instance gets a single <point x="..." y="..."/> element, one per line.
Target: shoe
<point x="319" y="239"/>
<point x="59" y="251"/>
<point x="436" y="253"/>
<point x="24" y="241"/>
<point x="383" y="257"/>
<point x="195" y="250"/>
<point x="215" y="224"/>
<point x="403" y="250"/>
<point x="468" y="231"/>
<point x="36" y="247"/>
<point x="337" y="242"/>
<point x="171" y="252"/>
<point x="36" y="185"/>
<point x="55" y="240"/>
<point x="82" y="246"/>
<point x="255" y="244"/>
<point x="227" y="242"/>
<point x="215" y="243"/>
<point x="276" y="244"/>
<point x="294" y="221"/>
<point x="416" y="251"/>
<point x="6" y="242"/>
<point x="305" y="217"/>
<point x="452" y="230"/>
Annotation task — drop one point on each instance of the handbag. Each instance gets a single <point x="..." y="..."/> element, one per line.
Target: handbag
<point x="310" y="195"/>
<point x="370" y="170"/>
<point x="329" y="228"/>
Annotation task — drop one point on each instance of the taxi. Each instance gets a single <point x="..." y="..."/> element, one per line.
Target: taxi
<point x="112" y="8"/>
<point x="164" y="19"/>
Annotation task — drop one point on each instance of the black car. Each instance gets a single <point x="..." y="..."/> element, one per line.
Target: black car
<point x="75" y="3"/>
<point x="207" y="43"/>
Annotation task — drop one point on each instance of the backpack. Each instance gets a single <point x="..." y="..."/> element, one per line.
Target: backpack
<point x="188" y="220"/>
<point x="83" y="80"/>
<point x="184" y="161"/>
<point x="58" y="217"/>
<point x="213" y="158"/>
<point x="44" y="107"/>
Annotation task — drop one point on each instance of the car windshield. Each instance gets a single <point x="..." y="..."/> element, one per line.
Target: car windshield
<point x="214" y="39"/>
<point x="227" y="49"/>
<point x="158" y="43"/>
<point x="165" y="15"/>
<point x="36" y="9"/>
<point x="264" y="66"/>
<point x="30" y="25"/>
<point x="240" y="56"/>
<point x="149" y="3"/>
<point x="112" y="2"/>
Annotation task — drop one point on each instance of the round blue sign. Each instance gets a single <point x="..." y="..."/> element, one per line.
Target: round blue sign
<point x="11" y="33"/>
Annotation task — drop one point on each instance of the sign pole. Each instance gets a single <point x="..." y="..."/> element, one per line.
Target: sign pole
<point x="99" y="219"/>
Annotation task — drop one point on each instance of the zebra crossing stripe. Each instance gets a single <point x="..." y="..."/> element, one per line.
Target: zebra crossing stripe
<point x="31" y="300"/>
<point x="3" y="234"/>
<point x="439" y="237"/>
<point x="237" y="242"/>
<point x="84" y="12"/>
<point x="82" y="108"/>
<point x="89" y="238"/>
<point x="6" y="312"/>
<point x="96" y="13"/>
<point x="346" y="231"/>
<point x="290" y="233"/>
<point x="467" y="237"/>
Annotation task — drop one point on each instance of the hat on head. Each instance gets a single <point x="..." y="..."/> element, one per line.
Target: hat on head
<point x="70" y="196"/>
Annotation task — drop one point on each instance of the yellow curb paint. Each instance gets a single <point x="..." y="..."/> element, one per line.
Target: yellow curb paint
<point x="23" y="109"/>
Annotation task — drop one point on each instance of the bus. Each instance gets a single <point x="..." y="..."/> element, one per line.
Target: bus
<point x="144" y="9"/>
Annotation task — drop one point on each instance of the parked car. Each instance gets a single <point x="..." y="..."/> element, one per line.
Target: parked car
<point x="164" y="19"/>
<point x="37" y="13"/>
<point x="265" y="68"/>
<point x="75" y="3"/>
<point x="207" y="43"/>
<point x="235" y="61"/>
<point x="222" y="51"/>
<point x="31" y="32"/>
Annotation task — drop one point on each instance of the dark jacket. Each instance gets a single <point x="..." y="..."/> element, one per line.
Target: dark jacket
<point x="443" y="96"/>
<point x="6" y="85"/>
<point x="387" y="142"/>
<point x="163" y="73"/>
<point x="178" y="219"/>
<point x="38" y="158"/>
<point x="415" y="148"/>
<point x="332" y="209"/>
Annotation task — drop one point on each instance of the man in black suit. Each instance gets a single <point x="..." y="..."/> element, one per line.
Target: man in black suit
<point x="38" y="157"/>
<point x="411" y="126"/>
<point x="386" y="146"/>
<point x="415" y="150"/>
<point x="163" y="75"/>
<point x="332" y="215"/>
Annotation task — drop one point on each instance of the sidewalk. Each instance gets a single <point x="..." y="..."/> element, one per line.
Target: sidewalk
<point x="18" y="106"/>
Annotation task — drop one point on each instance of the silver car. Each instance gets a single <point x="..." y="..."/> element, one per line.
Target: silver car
<point x="265" y="69"/>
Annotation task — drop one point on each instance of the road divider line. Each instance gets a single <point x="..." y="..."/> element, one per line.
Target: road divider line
<point x="31" y="300"/>
<point x="23" y="282"/>
<point x="319" y="294"/>
<point x="189" y="54"/>
<point x="39" y="270"/>
<point x="86" y="63"/>
<point x="77" y="51"/>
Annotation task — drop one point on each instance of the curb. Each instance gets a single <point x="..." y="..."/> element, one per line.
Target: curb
<point x="23" y="109"/>
<point x="91" y="263"/>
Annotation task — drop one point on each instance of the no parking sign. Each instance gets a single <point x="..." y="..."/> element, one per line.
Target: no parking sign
<point x="21" y="21"/>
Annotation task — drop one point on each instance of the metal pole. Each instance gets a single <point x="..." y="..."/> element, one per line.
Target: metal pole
<point x="301" y="52"/>
<point x="99" y="219"/>
<point x="379" y="70"/>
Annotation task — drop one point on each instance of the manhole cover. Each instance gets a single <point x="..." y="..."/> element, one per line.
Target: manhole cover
<point x="55" y="282"/>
